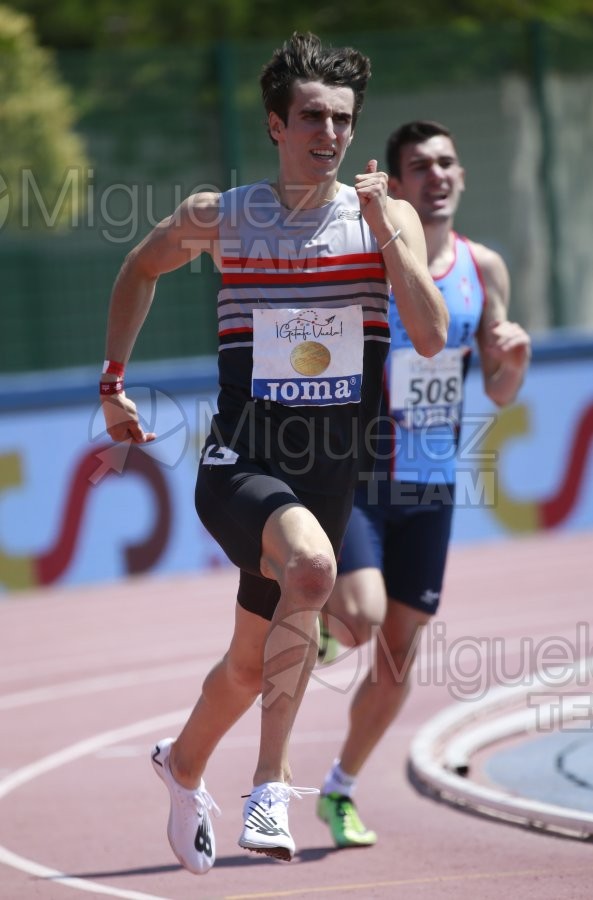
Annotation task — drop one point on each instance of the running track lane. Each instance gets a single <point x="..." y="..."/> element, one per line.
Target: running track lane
<point x="90" y="679"/>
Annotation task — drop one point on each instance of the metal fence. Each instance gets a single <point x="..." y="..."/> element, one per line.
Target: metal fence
<point x="160" y="124"/>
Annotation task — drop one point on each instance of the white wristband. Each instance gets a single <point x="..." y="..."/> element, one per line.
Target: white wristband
<point x="393" y="237"/>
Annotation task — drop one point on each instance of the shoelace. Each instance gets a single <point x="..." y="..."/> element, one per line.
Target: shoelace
<point x="274" y="792"/>
<point x="278" y="796"/>
<point x="200" y="794"/>
<point x="207" y="801"/>
<point x="284" y="792"/>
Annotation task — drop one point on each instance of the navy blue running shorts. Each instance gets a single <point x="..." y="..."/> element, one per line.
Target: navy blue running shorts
<point x="234" y="503"/>
<point x="406" y="535"/>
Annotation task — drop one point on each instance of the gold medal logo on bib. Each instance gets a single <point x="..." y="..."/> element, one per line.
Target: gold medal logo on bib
<point x="310" y="358"/>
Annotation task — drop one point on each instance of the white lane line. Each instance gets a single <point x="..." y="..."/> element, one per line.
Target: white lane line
<point x="245" y="742"/>
<point x="102" y="683"/>
<point x="326" y="676"/>
<point x="91" y="887"/>
<point x="92" y="662"/>
<point x="84" y="748"/>
<point x="54" y="761"/>
<point x="46" y="764"/>
<point x="426" y="665"/>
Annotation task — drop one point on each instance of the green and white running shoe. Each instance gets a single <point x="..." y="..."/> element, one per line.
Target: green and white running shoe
<point x="340" y="813"/>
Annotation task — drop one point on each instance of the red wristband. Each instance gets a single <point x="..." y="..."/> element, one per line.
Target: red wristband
<point x="111" y="387"/>
<point x="113" y="368"/>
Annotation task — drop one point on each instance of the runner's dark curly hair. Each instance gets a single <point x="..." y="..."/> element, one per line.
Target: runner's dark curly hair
<point x="304" y="57"/>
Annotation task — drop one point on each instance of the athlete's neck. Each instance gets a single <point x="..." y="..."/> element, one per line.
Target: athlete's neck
<point x="440" y="245"/>
<point x="298" y="196"/>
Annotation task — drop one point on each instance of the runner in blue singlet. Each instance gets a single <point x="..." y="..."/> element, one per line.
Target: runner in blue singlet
<point x="392" y="562"/>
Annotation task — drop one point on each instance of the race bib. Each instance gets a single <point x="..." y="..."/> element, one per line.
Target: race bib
<point x="308" y="357"/>
<point x="426" y="392"/>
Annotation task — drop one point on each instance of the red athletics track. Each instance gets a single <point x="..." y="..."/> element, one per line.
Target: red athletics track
<point x="91" y="677"/>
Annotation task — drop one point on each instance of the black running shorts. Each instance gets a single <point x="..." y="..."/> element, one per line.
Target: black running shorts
<point x="234" y="503"/>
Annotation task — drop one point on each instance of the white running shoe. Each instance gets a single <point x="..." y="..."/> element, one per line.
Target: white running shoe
<point x="189" y="828"/>
<point x="265" y="815"/>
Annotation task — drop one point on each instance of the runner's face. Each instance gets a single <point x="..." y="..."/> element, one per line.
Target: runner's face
<point x="431" y="178"/>
<point x="317" y="133"/>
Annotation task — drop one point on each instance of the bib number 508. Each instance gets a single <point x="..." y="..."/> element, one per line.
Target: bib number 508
<point x="434" y="390"/>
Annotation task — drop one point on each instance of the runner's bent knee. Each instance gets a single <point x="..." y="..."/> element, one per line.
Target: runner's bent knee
<point x="309" y="577"/>
<point x="297" y="552"/>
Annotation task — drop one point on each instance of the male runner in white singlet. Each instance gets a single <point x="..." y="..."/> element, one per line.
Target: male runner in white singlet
<point x="306" y="265"/>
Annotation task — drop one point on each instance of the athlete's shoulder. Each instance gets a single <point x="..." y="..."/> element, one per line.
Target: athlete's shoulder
<point x="493" y="272"/>
<point x="489" y="261"/>
<point x="203" y="201"/>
